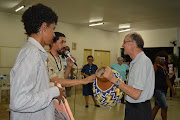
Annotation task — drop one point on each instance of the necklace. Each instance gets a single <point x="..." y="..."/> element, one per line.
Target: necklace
<point x="163" y="68"/>
<point x="56" y="62"/>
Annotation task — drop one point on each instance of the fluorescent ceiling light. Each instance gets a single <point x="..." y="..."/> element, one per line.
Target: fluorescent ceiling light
<point x="122" y="26"/>
<point x="96" y="19"/>
<point x="19" y="8"/>
<point x="124" y="30"/>
<point x="94" y="24"/>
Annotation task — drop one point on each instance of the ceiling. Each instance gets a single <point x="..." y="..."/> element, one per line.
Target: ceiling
<point x="141" y="14"/>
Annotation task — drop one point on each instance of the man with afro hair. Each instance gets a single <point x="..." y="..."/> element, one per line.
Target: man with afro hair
<point x="31" y="95"/>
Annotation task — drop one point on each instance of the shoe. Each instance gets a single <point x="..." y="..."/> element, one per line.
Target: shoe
<point x="86" y="106"/>
<point x="123" y="102"/>
<point x="97" y="105"/>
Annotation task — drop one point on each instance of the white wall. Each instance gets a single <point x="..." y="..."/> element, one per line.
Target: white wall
<point x="87" y="38"/>
<point x="155" y="38"/>
<point x="12" y="38"/>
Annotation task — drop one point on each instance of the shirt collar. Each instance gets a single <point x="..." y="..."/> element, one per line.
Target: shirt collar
<point x="137" y="57"/>
<point x="36" y="43"/>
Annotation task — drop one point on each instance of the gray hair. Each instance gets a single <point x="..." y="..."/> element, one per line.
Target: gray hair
<point x="139" y="40"/>
<point x="119" y="58"/>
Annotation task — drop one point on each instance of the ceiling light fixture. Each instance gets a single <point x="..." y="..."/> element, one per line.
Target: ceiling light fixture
<point x="122" y="26"/>
<point x="19" y="8"/>
<point x="94" y="24"/>
<point x="124" y="30"/>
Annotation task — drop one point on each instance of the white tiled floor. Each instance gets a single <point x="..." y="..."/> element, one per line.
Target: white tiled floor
<point x="102" y="113"/>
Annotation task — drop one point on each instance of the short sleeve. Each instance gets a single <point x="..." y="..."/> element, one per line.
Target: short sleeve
<point x="140" y="75"/>
<point x="112" y="66"/>
<point x="96" y="67"/>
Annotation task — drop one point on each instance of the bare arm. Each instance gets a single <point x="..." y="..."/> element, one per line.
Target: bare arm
<point x="70" y="83"/>
<point x="72" y="74"/>
<point x="174" y="71"/>
<point x="132" y="92"/>
<point x="171" y="75"/>
<point x="170" y="86"/>
<point x="67" y="72"/>
<point x="84" y="74"/>
<point x="156" y="62"/>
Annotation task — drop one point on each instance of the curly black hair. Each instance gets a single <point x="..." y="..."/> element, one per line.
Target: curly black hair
<point x="162" y="54"/>
<point x="34" y="16"/>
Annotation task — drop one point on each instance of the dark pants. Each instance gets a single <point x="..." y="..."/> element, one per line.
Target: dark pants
<point x="68" y="91"/>
<point x="122" y="99"/>
<point x="138" y="111"/>
<point x="172" y="83"/>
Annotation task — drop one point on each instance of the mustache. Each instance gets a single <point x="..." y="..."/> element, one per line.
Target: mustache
<point x="64" y="48"/>
<point x="59" y="51"/>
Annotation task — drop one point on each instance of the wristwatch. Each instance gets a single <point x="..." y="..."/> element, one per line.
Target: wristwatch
<point x="117" y="83"/>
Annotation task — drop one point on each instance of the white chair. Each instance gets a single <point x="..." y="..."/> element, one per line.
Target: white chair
<point x="4" y="86"/>
<point x="177" y="84"/>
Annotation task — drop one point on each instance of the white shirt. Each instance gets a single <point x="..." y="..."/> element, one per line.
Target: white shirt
<point x="30" y="94"/>
<point x="141" y="76"/>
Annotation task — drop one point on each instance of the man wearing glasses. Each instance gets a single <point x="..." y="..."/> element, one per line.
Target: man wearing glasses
<point x="141" y="80"/>
<point x="88" y="70"/>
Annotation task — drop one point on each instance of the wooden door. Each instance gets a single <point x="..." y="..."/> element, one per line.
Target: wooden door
<point x="102" y="58"/>
<point x="87" y="52"/>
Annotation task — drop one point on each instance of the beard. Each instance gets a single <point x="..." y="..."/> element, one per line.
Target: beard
<point x="59" y="52"/>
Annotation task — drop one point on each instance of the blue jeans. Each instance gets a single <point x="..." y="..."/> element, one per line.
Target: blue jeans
<point x="160" y="99"/>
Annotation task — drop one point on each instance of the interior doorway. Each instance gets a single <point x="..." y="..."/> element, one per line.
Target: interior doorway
<point x="87" y="52"/>
<point x="102" y="58"/>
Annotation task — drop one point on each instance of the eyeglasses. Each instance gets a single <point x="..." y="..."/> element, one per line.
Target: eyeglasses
<point x="127" y="41"/>
<point x="90" y="59"/>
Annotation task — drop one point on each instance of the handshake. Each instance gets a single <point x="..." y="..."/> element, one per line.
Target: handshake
<point x="62" y="96"/>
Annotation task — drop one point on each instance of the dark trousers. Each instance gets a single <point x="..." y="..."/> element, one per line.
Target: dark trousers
<point x="122" y="99"/>
<point x="138" y="111"/>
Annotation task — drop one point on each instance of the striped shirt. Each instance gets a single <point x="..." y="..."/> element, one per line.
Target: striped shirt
<point x="31" y="95"/>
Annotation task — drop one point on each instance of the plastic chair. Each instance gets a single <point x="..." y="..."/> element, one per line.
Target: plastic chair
<point x="4" y="86"/>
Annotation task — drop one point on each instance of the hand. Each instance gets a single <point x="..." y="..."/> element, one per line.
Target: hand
<point x="62" y="93"/>
<point x="70" y="62"/>
<point x="89" y="79"/>
<point x="109" y="75"/>
<point x="170" y="76"/>
<point x="86" y="75"/>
